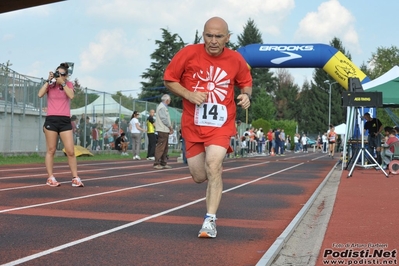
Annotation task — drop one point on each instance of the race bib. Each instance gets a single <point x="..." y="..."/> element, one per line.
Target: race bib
<point x="210" y="114"/>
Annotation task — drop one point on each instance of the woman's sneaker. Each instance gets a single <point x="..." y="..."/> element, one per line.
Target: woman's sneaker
<point x="76" y="182"/>
<point x="52" y="182"/>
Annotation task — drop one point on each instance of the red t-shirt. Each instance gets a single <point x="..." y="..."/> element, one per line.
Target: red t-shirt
<point x="391" y="140"/>
<point x="270" y="136"/>
<point x="196" y="70"/>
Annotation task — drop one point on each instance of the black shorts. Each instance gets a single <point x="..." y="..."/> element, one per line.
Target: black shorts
<point x="58" y="123"/>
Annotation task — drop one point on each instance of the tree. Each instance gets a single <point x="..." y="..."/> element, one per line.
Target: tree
<point x="197" y="38"/>
<point x="309" y="114"/>
<point x="285" y="95"/>
<point x="383" y="60"/>
<point x="79" y="97"/>
<point x="262" y="107"/>
<point x="154" y="88"/>
<point x="380" y="62"/>
<point x="261" y="78"/>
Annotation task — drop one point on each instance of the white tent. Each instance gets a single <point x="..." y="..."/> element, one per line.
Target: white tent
<point x="103" y="105"/>
<point x="340" y="129"/>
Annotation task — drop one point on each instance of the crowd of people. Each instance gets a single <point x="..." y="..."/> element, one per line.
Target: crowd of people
<point x="254" y="141"/>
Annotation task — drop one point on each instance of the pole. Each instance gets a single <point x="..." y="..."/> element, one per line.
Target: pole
<point x="329" y="106"/>
<point x="329" y="99"/>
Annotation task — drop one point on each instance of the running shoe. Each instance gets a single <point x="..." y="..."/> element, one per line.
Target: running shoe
<point x="158" y="167"/>
<point x="52" y="182"/>
<point x="167" y="167"/>
<point x="208" y="228"/>
<point x="76" y="182"/>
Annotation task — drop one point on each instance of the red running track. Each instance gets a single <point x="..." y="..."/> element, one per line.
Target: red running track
<point x="130" y="214"/>
<point x="363" y="228"/>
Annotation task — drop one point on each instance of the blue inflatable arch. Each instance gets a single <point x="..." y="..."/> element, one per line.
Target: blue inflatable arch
<point x="334" y="62"/>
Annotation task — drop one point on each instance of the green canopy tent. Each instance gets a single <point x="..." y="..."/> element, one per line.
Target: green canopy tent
<point x="388" y="84"/>
<point x="175" y="115"/>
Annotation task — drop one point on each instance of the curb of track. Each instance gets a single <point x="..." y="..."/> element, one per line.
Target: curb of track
<point x="271" y="254"/>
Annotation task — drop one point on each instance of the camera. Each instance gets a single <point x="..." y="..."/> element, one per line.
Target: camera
<point x="56" y="74"/>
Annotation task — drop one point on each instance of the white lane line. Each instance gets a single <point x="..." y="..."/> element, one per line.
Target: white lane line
<point x="91" y="179"/>
<point x="117" y="190"/>
<point x="82" y="240"/>
<point x="132" y="166"/>
<point x="60" y="166"/>
<point x="80" y="171"/>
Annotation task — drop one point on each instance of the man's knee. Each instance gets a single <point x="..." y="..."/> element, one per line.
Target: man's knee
<point x="198" y="174"/>
<point x="199" y="179"/>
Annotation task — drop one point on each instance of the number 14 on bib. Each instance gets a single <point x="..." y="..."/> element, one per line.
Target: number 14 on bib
<point x="210" y="114"/>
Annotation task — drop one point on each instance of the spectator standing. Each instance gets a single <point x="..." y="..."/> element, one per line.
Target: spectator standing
<point x="164" y="128"/>
<point x="296" y="142"/>
<point x="277" y="139"/>
<point x="244" y="144"/>
<point x="58" y="122"/>
<point x="259" y="135"/>
<point x="95" y="138"/>
<point x="152" y="138"/>
<point x="288" y="143"/>
<point x="282" y="143"/>
<point x="204" y="99"/>
<point x="135" y="130"/>
<point x="270" y="140"/>
<point x="304" y="141"/>
<point x="325" y="141"/>
<point x="85" y="133"/>
<point x="374" y="128"/>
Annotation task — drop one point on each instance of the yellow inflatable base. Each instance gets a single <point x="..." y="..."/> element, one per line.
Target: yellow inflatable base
<point x="80" y="151"/>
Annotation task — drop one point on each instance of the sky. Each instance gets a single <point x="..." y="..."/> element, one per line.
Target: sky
<point x="110" y="41"/>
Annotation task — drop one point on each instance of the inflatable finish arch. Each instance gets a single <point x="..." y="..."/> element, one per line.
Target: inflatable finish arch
<point x="322" y="56"/>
